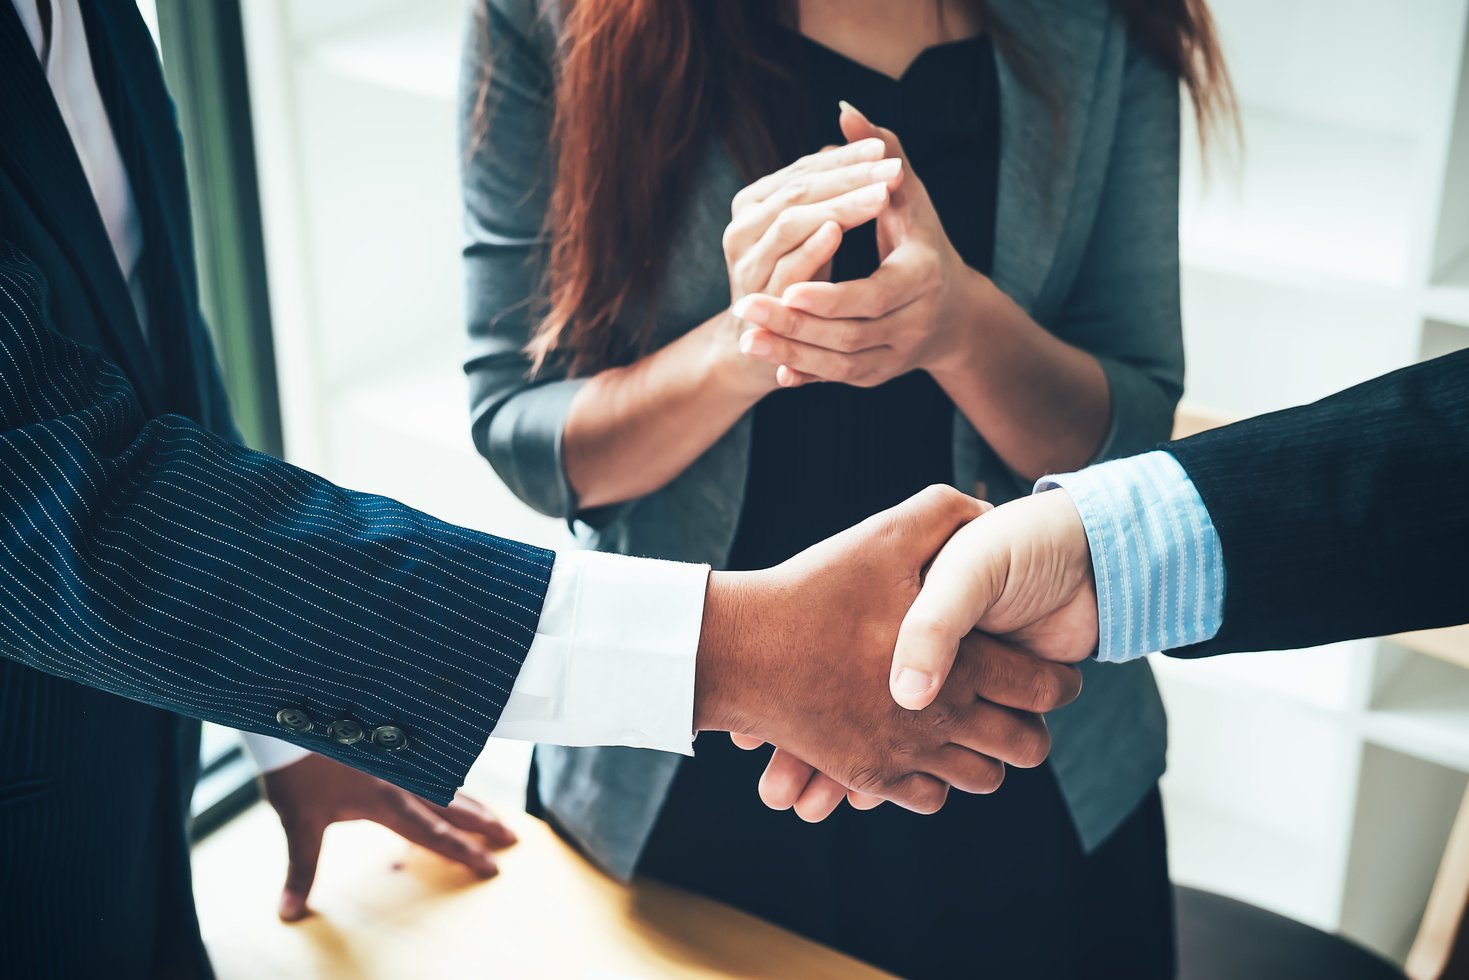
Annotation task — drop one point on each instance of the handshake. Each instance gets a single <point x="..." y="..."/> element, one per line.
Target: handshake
<point x="861" y="661"/>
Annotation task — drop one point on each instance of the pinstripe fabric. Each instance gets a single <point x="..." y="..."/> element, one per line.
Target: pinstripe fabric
<point x="157" y="560"/>
<point x="1156" y="558"/>
<point x="160" y="562"/>
<point x="1344" y="518"/>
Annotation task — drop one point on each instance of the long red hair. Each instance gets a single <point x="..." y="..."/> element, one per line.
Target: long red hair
<point x="640" y="86"/>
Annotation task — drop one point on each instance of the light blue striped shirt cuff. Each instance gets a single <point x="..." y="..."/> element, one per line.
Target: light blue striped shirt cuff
<point x="1155" y="554"/>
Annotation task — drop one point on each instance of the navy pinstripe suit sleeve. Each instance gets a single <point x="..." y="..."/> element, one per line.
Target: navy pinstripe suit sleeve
<point x="151" y="559"/>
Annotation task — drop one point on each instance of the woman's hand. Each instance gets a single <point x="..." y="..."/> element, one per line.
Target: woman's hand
<point x="785" y="227"/>
<point x="631" y="429"/>
<point x="915" y="311"/>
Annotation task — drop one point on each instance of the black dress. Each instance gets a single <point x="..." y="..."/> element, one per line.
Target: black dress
<point x="991" y="886"/>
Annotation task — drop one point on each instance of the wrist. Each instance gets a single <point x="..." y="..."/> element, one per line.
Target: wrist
<point x="725" y="668"/>
<point x="967" y="313"/>
<point x="726" y="370"/>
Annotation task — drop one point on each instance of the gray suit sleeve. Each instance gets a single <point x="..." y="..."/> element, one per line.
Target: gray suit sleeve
<point x="1124" y="304"/>
<point x="506" y="178"/>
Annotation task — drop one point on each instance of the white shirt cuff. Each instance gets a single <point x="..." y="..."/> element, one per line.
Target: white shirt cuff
<point x="271" y="754"/>
<point x="612" y="662"/>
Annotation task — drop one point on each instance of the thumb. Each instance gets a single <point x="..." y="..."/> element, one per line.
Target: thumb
<point x="303" y="847"/>
<point x="961" y="585"/>
<point x="892" y="220"/>
<point x="856" y="126"/>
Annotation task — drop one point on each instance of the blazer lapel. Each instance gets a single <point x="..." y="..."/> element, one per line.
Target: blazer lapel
<point x="130" y="79"/>
<point x="1037" y="161"/>
<point x="37" y="152"/>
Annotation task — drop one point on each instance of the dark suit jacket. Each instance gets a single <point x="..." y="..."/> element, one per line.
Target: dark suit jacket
<point x="153" y="571"/>
<point x="1345" y="518"/>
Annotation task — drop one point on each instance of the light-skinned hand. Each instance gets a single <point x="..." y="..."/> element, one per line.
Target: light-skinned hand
<point x="785" y="227"/>
<point x="913" y="312"/>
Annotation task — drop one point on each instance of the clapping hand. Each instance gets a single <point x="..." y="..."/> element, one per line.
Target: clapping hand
<point x="912" y="312"/>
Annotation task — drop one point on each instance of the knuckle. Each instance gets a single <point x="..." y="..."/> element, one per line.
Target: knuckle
<point x="795" y="191"/>
<point x="938" y="495"/>
<point x="742" y="269"/>
<point x="1045" y="691"/>
<point x="780" y="274"/>
<point x="784" y="228"/>
<point x="870" y="779"/>
<point x="942" y="716"/>
<point x="729" y="241"/>
<point x="954" y="501"/>
<point x="928" y="624"/>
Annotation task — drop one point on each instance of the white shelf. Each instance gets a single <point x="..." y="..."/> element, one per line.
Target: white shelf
<point x="1322" y="678"/>
<point x="1396" y="849"/>
<point x="1450" y="644"/>
<point x="1447" y="300"/>
<point x="1282" y="215"/>
<point x="413" y="49"/>
<point x="425" y="398"/>
<point x="1422" y="710"/>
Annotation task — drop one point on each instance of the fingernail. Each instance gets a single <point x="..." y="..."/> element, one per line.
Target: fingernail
<point x="747" y="309"/>
<point x="887" y="169"/>
<point x="910" y="681"/>
<point x="754" y="343"/>
<point x="846" y="106"/>
<point x="871" y="148"/>
<point x="873" y="194"/>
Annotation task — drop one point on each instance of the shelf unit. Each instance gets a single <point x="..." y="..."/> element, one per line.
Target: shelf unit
<point x="1322" y="783"/>
<point x="1334" y="247"/>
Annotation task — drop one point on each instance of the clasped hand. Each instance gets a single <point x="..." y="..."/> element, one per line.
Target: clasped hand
<point x="800" y="656"/>
<point x="1022" y="573"/>
<point x="911" y="313"/>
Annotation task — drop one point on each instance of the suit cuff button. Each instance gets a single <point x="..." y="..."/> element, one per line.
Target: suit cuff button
<point x="345" y="731"/>
<point x="390" y="737"/>
<point x="295" y="719"/>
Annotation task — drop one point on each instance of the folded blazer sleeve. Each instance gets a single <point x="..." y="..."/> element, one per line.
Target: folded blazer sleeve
<point x="154" y="560"/>
<point x="505" y="135"/>
<point x="1124" y="306"/>
<point x="1344" y="518"/>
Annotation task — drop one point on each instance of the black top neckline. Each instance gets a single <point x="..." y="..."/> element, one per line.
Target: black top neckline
<point x="938" y="50"/>
<point x="825" y="456"/>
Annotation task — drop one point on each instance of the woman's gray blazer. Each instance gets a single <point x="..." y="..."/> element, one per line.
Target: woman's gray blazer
<point x="1086" y="240"/>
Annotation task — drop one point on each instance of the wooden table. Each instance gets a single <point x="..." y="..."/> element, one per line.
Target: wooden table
<point x="390" y="910"/>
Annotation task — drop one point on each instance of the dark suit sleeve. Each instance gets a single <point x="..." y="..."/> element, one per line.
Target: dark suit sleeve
<point x="1345" y="518"/>
<point x="159" y="562"/>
